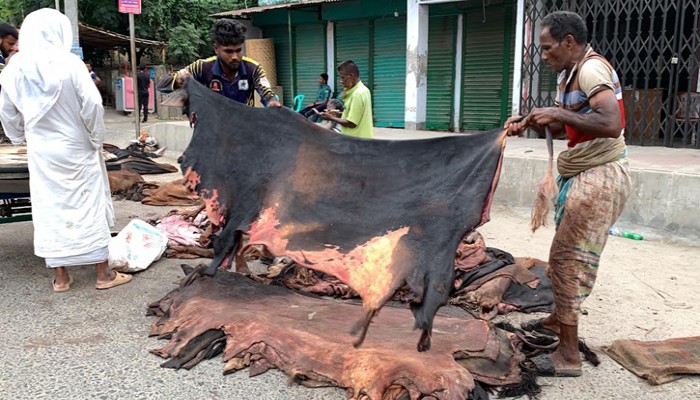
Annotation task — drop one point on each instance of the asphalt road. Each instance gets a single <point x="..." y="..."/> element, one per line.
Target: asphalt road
<point x="90" y="344"/>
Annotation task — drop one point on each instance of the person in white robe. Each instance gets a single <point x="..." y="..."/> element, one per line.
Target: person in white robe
<point x="48" y="99"/>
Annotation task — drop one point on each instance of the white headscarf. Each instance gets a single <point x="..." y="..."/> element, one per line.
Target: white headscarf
<point x="33" y="78"/>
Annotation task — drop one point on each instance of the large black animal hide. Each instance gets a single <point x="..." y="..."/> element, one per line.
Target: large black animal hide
<point x="373" y="213"/>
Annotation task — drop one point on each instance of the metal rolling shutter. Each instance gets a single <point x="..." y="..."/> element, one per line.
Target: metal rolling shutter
<point x="310" y="41"/>
<point x="283" y="60"/>
<point x="441" y="63"/>
<point x="389" y="72"/>
<point x="483" y="70"/>
<point x="352" y="42"/>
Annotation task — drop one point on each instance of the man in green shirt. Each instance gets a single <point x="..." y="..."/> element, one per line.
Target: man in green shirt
<point x="357" y="116"/>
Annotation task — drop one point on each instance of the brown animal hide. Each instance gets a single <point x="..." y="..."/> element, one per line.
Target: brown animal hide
<point x="173" y="193"/>
<point x="658" y="362"/>
<point x="305" y="280"/>
<point x="121" y="180"/>
<point x="188" y="252"/>
<point x="471" y="252"/>
<point x="485" y="295"/>
<point x="265" y="326"/>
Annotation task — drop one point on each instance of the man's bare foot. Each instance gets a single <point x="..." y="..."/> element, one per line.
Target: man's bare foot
<point x="118" y="279"/>
<point x="105" y="277"/>
<point x="557" y="364"/>
<point x="61" y="278"/>
<point x="551" y="323"/>
<point x="567" y="360"/>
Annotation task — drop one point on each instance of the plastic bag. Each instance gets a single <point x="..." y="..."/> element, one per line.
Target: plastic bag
<point x="136" y="247"/>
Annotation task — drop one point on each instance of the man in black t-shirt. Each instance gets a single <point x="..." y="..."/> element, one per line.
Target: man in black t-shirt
<point x="143" y="79"/>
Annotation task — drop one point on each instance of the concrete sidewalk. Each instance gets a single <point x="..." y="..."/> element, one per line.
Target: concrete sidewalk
<point x="663" y="203"/>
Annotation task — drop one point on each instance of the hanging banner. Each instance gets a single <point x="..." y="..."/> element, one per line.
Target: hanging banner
<point x="129" y="6"/>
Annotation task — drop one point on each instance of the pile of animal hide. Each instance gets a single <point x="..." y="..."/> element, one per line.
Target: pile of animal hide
<point x="135" y="159"/>
<point x="265" y="326"/>
<point x="173" y="193"/>
<point x="487" y="282"/>
<point x="146" y="145"/>
<point x="125" y="167"/>
<point x="125" y="183"/>
<point x="376" y="214"/>
<point x="188" y="232"/>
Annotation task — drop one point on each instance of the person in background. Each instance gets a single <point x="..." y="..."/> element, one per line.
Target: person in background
<point x="594" y="181"/>
<point x="8" y="41"/>
<point x="49" y="101"/>
<point x="356" y="119"/>
<point x="322" y="97"/>
<point x="96" y="79"/>
<point x="229" y="72"/>
<point x="143" y="80"/>
<point x="8" y="38"/>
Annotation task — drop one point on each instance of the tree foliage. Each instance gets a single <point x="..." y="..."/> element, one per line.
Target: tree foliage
<point x="183" y="24"/>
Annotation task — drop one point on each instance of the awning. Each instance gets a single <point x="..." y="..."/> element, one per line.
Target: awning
<point x="96" y="37"/>
<point x="253" y="10"/>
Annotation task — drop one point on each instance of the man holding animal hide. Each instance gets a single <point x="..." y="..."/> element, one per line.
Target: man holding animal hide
<point x="231" y="74"/>
<point x="228" y="73"/>
<point x="594" y="180"/>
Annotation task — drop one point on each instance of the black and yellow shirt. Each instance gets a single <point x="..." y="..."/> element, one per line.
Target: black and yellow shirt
<point x="251" y="76"/>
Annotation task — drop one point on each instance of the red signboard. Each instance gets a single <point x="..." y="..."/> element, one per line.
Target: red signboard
<point x="129" y="6"/>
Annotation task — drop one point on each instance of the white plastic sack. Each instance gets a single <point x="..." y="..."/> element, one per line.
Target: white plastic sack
<point x="136" y="247"/>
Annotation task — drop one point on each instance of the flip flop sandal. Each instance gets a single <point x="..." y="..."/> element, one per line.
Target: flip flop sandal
<point x="545" y="367"/>
<point x="62" y="289"/>
<point x="119" y="279"/>
<point x="535" y="325"/>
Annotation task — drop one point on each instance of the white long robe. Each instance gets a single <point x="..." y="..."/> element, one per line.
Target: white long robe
<point x="71" y="202"/>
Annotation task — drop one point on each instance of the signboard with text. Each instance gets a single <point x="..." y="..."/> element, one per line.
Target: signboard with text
<point x="129" y="6"/>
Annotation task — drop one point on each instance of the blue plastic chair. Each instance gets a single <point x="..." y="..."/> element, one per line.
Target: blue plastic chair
<point x="298" y="102"/>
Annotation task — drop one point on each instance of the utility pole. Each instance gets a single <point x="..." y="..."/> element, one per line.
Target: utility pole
<point x="58" y="5"/>
<point x="132" y="36"/>
<point x="71" y="11"/>
<point x="132" y="7"/>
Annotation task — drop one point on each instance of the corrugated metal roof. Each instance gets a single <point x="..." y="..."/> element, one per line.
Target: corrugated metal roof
<point x="99" y="37"/>
<point x="253" y="10"/>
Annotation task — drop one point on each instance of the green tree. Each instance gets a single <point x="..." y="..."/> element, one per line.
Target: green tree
<point x="182" y="24"/>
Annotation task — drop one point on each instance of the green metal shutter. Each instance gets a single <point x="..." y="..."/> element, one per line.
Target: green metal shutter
<point x="441" y="63"/>
<point x="483" y="69"/>
<point x="389" y="72"/>
<point x="283" y="59"/>
<point x="310" y="57"/>
<point x="352" y="42"/>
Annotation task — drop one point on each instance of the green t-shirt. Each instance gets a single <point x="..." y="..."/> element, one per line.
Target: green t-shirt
<point x="358" y="110"/>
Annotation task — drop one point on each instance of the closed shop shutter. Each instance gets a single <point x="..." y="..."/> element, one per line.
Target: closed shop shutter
<point x="483" y="92"/>
<point x="441" y="63"/>
<point x="352" y="42"/>
<point x="389" y="72"/>
<point x="283" y="59"/>
<point x="310" y="58"/>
